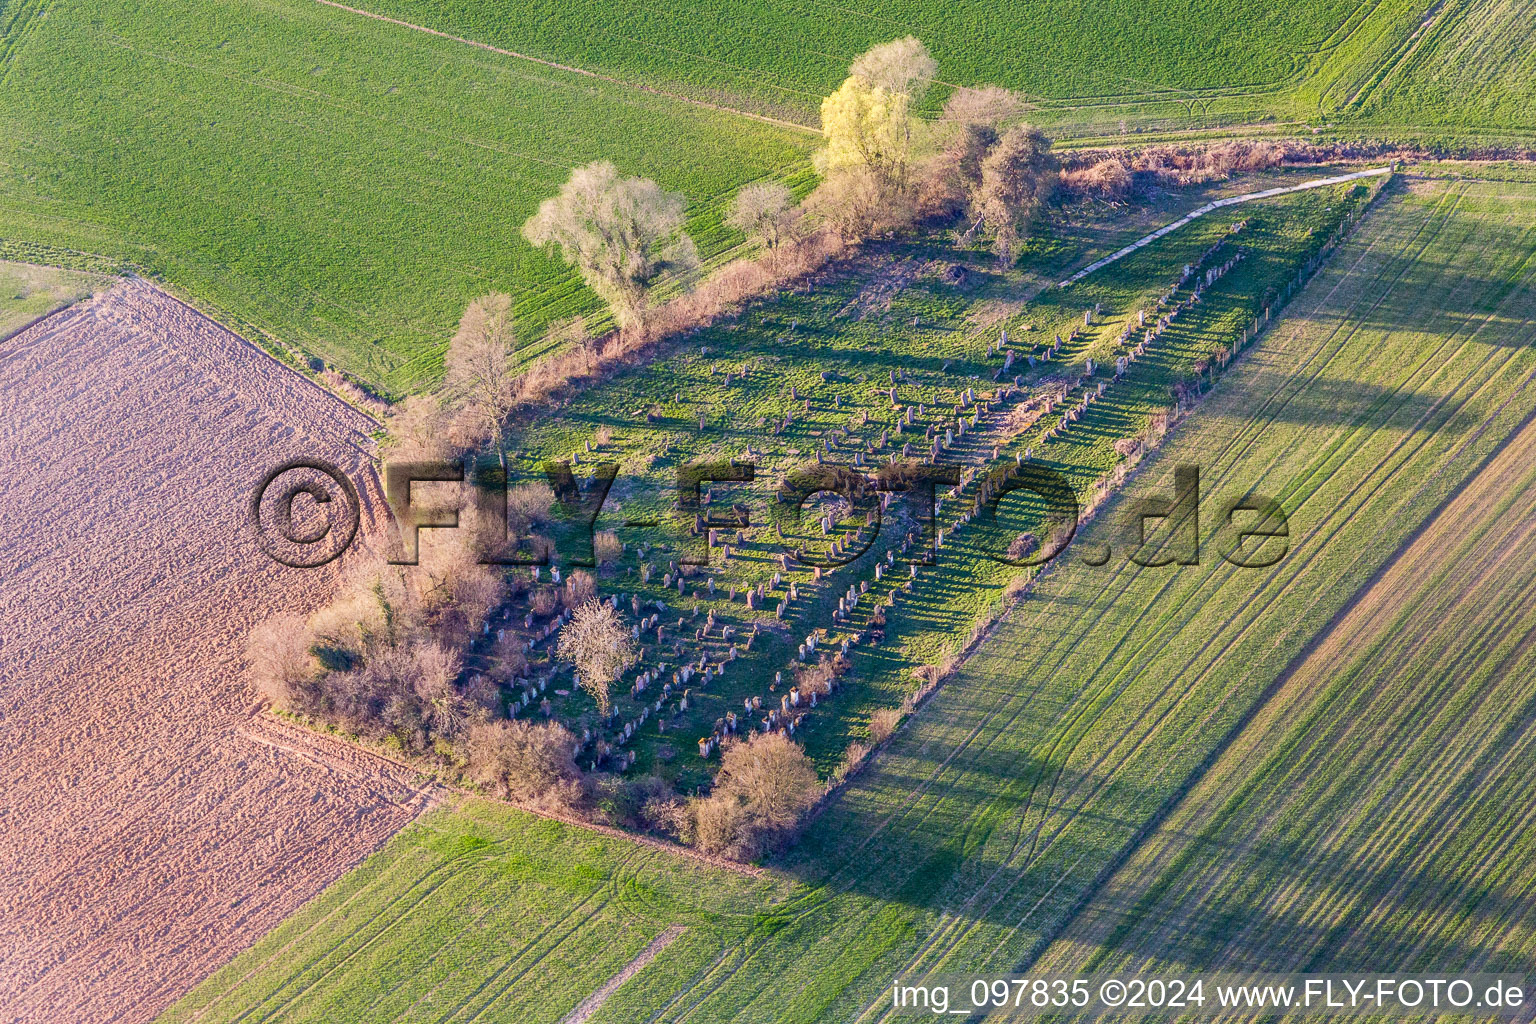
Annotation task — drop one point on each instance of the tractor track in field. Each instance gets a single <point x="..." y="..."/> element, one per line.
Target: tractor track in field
<point x="595" y="1001"/>
<point x="1375" y="611"/>
<point x="816" y="900"/>
<point x="1114" y="746"/>
<point x="1231" y="450"/>
<point x="1119" y="743"/>
<point x="925" y="793"/>
<point x="572" y="69"/>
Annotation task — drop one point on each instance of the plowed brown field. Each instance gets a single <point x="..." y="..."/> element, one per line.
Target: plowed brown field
<point x="152" y="825"/>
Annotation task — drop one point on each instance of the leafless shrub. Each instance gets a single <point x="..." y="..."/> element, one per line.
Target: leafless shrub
<point x="510" y="662"/>
<point x="602" y="436"/>
<point x="528" y="505"/>
<point x="1108" y="179"/>
<point x="606" y="547"/>
<point x="1022" y="546"/>
<point x="765" y="784"/>
<point x="281" y="666"/>
<point x="883" y="723"/>
<point x="522" y="761"/>
<point x="765" y="213"/>
<point x="544" y="601"/>
<point x="580" y="588"/>
<point x="418" y="431"/>
<point x="816" y="677"/>
<point x="852" y="758"/>
<point x="989" y="105"/>
<point x="573" y="339"/>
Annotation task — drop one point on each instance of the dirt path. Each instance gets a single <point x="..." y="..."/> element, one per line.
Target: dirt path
<point x="595" y="1001"/>
<point x="153" y="824"/>
<point x="1210" y="207"/>
<point x="638" y="87"/>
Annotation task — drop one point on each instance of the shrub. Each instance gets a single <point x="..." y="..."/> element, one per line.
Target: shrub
<point x="525" y="762"/>
<point x="606" y="547"/>
<point x="765" y="784"/>
<point x="580" y="588"/>
<point x="883" y="723"/>
<point x="816" y="678"/>
<point x="528" y="505"/>
<point x="544" y="601"/>
<point x="598" y="646"/>
<point x="282" y="668"/>
<point x="1022" y="546"/>
<point x="509" y="660"/>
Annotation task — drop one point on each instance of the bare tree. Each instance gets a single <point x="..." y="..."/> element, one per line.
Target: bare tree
<point x="479" y="371"/>
<point x="596" y="643"/>
<point x="850" y="201"/>
<point x="1017" y="177"/>
<point x="280" y="662"/>
<point x="989" y="105"/>
<point x="955" y="174"/>
<point x="764" y="212"/>
<point x="901" y="66"/>
<point x="418" y="430"/>
<point x="574" y="335"/>
<point x="623" y="235"/>
<point x="524" y="761"/>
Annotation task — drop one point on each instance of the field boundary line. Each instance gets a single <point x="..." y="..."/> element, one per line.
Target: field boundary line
<point x="1210" y="207"/>
<point x="595" y="1001"/>
<point x="571" y="69"/>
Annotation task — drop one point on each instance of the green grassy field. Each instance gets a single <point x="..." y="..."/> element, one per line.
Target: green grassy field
<point x="1375" y="812"/>
<point x="1470" y="70"/>
<point x="1009" y="801"/>
<point x="28" y="292"/>
<point x="341" y="184"/>
<point x="1092" y="69"/>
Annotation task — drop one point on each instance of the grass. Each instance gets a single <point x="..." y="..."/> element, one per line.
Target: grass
<point x="1374" y="813"/>
<point x="342" y="185"/>
<point x="1097" y="69"/>
<point x="1467" y="72"/>
<point x="29" y="292"/>
<point x="1005" y="806"/>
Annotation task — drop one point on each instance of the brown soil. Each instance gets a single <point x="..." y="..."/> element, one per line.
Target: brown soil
<point x="153" y="823"/>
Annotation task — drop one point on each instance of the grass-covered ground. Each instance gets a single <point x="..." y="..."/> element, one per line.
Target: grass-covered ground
<point x="978" y="835"/>
<point x="28" y="292"/>
<point x="1098" y="69"/>
<point x="344" y="185"/>
<point x="1375" y="813"/>
<point x="341" y="184"/>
